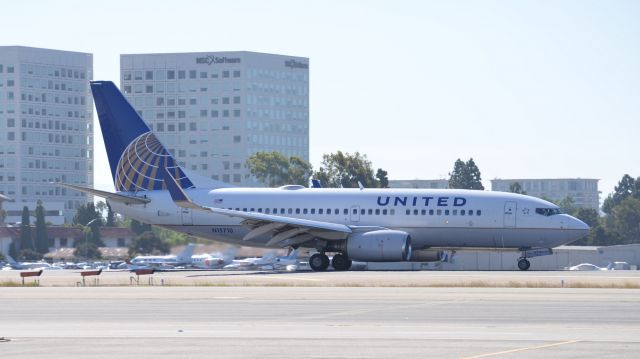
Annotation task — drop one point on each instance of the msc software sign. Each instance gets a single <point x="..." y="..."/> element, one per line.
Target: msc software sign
<point x="217" y="60"/>
<point x="293" y="64"/>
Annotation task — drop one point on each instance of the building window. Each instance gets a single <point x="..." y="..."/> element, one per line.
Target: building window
<point x="192" y="74"/>
<point x="171" y="75"/>
<point x="236" y="73"/>
<point x="121" y="242"/>
<point x="225" y="74"/>
<point x="148" y="75"/>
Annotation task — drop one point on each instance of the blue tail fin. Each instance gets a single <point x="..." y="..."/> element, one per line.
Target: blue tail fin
<point x="135" y="154"/>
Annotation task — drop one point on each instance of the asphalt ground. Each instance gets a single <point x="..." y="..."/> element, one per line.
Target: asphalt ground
<point x="70" y="278"/>
<point x="319" y="322"/>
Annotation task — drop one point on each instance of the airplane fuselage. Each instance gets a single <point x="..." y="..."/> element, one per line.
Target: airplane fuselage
<point x="433" y="218"/>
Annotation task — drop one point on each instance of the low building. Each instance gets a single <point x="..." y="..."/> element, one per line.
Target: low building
<point x="63" y="239"/>
<point x="418" y="183"/>
<point x="583" y="191"/>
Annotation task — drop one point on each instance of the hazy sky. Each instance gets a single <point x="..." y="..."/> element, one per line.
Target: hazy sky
<point x="527" y="88"/>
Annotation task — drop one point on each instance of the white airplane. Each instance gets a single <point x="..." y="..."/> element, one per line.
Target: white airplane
<point x="264" y="262"/>
<point x="213" y="260"/>
<point x="26" y="265"/>
<point x="167" y="261"/>
<point x="356" y="224"/>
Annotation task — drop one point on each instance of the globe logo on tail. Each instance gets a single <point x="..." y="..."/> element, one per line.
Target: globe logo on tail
<point x="138" y="167"/>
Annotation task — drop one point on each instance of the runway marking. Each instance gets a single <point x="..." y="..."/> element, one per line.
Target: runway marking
<point x="521" y="349"/>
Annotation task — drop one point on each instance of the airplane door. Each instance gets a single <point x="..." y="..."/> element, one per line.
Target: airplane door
<point x="187" y="218"/>
<point x="355" y="213"/>
<point x="510" y="209"/>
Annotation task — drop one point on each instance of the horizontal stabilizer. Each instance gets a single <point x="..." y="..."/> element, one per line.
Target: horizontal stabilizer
<point x="116" y="197"/>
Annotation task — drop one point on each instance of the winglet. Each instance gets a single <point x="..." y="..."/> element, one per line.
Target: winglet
<point x="178" y="195"/>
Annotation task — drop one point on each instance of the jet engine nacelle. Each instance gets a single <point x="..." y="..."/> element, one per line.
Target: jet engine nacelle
<point x="379" y="246"/>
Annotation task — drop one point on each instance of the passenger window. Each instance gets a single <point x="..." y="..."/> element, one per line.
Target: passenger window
<point x="471" y="212"/>
<point x="408" y="212"/>
<point x="455" y="212"/>
<point x="446" y="212"/>
<point x="304" y="211"/>
<point x="337" y="211"/>
<point x="424" y="212"/>
<point x="377" y="211"/>
<point x="237" y="209"/>
<point x="313" y="211"/>
<point x="267" y="210"/>
<point x="320" y="211"/>
<point x="244" y="209"/>
<point x="346" y="211"/>
<point x="439" y="212"/>
<point x="253" y="210"/>
<point x="362" y="211"/>
<point x="290" y="210"/>
<point x="355" y="211"/>
<point x="259" y="210"/>
<point x="478" y="212"/>
<point x="384" y="212"/>
<point x="297" y="210"/>
<point x="282" y="211"/>
<point x="415" y="212"/>
<point x="392" y="211"/>
<point x="462" y="212"/>
<point x="370" y="212"/>
<point x="431" y="212"/>
<point x="328" y="210"/>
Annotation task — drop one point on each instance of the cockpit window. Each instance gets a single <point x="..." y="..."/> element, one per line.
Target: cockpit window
<point x="548" y="211"/>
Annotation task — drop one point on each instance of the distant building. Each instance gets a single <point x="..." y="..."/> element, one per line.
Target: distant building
<point x="46" y="129"/>
<point x="212" y="110"/>
<point x="417" y="183"/>
<point x="583" y="191"/>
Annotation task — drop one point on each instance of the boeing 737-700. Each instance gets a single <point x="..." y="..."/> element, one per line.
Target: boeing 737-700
<point x="355" y="224"/>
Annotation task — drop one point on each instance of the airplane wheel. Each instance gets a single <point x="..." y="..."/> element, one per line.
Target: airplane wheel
<point x="524" y="264"/>
<point x="319" y="262"/>
<point x="341" y="262"/>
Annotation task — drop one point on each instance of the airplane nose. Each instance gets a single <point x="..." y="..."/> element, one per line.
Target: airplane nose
<point x="581" y="228"/>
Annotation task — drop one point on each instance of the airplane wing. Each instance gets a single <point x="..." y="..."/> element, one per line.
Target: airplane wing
<point x="116" y="197"/>
<point x="290" y="231"/>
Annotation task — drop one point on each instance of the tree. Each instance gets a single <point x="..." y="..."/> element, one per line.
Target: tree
<point x="383" y="180"/>
<point x="13" y="251"/>
<point x="89" y="246"/>
<point x="27" y="254"/>
<point x="465" y="175"/>
<point x="111" y="218"/>
<point x="85" y="214"/>
<point x="626" y="220"/>
<point x="567" y="205"/>
<point x="274" y="169"/>
<point x="42" y="240"/>
<point x="516" y="188"/>
<point x="625" y="188"/>
<point x="26" y="241"/>
<point x="346" y="170"/>
<point x="148" y="243"/>
<point x="139" y="227"/>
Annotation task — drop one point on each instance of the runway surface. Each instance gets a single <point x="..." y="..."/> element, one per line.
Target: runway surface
<point x="319" y="322"/>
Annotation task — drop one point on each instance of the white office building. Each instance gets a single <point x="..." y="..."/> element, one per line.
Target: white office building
<point x="583" y="191"/>
<point x="46" y="129"/>
<point x="212" y="110"/>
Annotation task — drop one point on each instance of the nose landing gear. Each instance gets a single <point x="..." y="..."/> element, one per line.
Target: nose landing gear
<point x="523" y="264"/>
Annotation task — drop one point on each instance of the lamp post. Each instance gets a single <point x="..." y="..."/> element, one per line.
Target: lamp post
<point x="86" y="238"/>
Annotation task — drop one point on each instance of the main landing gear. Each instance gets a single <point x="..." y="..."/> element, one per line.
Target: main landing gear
<point x="319" y="262"/>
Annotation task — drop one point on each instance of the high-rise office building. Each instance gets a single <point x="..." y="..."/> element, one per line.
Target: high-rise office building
<point x="46" y="129"/>
<point x="212" y="110"/>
